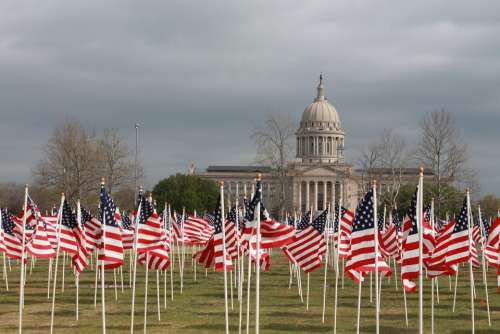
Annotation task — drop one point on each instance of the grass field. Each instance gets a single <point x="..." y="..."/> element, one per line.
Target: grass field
<point x="200" y="309"/>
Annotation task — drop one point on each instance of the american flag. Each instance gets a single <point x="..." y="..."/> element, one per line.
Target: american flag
<point x="110" y="245"/>
<point x="209" y="218"/>
<point x="304" y="221"/>
<point x="435" y="264"/>
<point x="149" y="227"/>
<point x="492" y="249"/>
<point x="93" y="229"/>
<point x="346" y="220"/>
<point x="362" y="248"/>
<point x="410" y="247"/>
<point x="219" y="240"/>
<point x="67" y="238"/>
<point x="273" y="233"/>
<point x="127" y="230"/>
<point x="309" y="244"/>
<point x="39" y="245"/>
<point x="197" y="230"/>
<point x="388" y="241"/>
<point x="458" y="249"/>
<point x="80" y="259"/>
<point x="12" y="243"/>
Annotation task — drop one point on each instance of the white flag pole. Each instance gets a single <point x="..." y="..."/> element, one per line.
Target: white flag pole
<point x="337" y="258"/>
<point x="133" y="258"/>
<point x="326" y="264"/>
<point x="103" y="294"/>
<point x="226" y="311"/>
<point x="471" y="272"/>
<point x="21" y="281"/>
<point x="257" y="263"/>
<point x="173" y="255"/>
<point x="183" y="250"/>
<point x="308" y="276"/>
<point x="158" y="293"/>
<point x="77" y="276"/>
<point x="359" y="307"/>
<point x="249" y="272"/>
<point x="420" y="225"/>
<point x="49" y="277"/>
<point x="54" y="283"/>
<point x="433" y="280"/>
<point x="4" y="269"/>
<point x="485" y="279"/>
<point x="146" y="293"/>
<point x="377" y="296"/>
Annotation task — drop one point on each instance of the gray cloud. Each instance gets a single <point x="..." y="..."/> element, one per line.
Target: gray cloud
<point x="200" y="76"/>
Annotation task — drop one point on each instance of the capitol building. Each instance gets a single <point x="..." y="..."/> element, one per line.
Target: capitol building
<point x="319" y="174"/>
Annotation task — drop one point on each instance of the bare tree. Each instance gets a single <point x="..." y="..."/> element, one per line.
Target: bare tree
<point x="394" y="156"/>
<point x="274" y="147"/>
<point x="114" y="160"/>
<point x="75" y="160"/>
<point x="440" y="150"/>
<point x="369" y="161"/>
<point x="70" y="162"/>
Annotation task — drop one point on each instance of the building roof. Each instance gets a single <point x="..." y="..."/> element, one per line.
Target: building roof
<point x="320" y="110"/>
<point x="239" y="169"/>
<point x="404" y="171"/>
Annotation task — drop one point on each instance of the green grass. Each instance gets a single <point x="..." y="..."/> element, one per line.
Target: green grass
<point x="200" y="309"/>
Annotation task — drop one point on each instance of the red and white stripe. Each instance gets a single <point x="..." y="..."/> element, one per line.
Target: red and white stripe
<point x="149" y="234"/>
<point x="197" y="230"/>
<point x="458" y="248"/>
<point x="345" y="235"/>
<point x="110" y="248"/>
<point x="39" y="246"/>
<point x="306" y="249"/>
<point x="80" y="259"/>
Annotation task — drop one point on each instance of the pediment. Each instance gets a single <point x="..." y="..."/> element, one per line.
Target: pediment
<point x="320" y="171"/>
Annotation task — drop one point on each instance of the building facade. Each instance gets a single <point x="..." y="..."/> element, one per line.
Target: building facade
<point x="319" y="174"/>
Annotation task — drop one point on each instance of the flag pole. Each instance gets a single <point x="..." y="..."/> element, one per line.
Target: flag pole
<point x="146" y="293"/>
<point x="134" y="266"/>
<point x="103" y="294"/>
<point x="21" y="281"/>
<point x="4" y="269"/>
<point x="257" y="264"/>
<point x="377" y="296"/>
<point x="226" y="311"/>
<point x="249" y="276"/>
<point x="172" y="252"/>
<point x="471" y="273"/>
<point x="359" y="306"/>
<point x="308" y="276"/>
<point x="337" y="258"/>
<point x="54" y="282"/>
<point x="420" y="225"/>
<point x="485" y="279"/>
<point x="77" y="276"/>
<point x="434" y="279"/>
<point x="326" y="265"/>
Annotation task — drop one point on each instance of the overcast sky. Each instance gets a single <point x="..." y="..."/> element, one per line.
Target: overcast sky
<point x="200" y="76"/>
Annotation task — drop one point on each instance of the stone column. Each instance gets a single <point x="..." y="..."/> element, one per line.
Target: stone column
<point x="308" y="202"/>
<point x="324" y="196"/>
<point x="315" y="204"/>
<point x="300" y="195"/>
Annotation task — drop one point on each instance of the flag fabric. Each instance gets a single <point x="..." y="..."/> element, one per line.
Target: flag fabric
<point x="39" y="246"/>
<point x="388" y="241"/>
<point x="458" y="248"/>
<point x="127" y="231"/>
<point x="13" y="247"/>
<point x="80" y="259"/>
<point x="149" y="227"/>
<point x="435" y="263"/>
<point x="362" y="251"/>
<point x="410" y="247"/>
<point x="93" y="230"/>
<point x="346" y="220"/>
<point x="219" y="241"/>
<point x="491" y="247"/>
<point x="197" y="230"/>
<point x="110" y="244"/>
<point x="67" y="238"/>
<point x="304" y="221"/>
<point x="308" y="245"/>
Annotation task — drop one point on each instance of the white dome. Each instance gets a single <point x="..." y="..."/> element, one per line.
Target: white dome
<point x="320" y="110"/>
